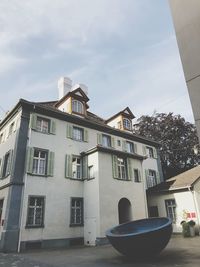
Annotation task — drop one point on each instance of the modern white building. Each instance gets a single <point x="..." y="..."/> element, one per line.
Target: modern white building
<point x="177" y="198"/>
<point x="67" y="175"/>
<point x="186" y="18"/>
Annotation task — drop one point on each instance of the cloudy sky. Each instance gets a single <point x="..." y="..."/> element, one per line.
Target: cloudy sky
<point x="125" y="51"/>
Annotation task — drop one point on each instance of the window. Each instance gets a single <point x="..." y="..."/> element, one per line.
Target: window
<point x="91" y="172"/>
<point x="121" y="168"/>
<point x="6" y="165"/>
<point x="171" y="209"/>
<point x="77" y="134"/>
<point x="1" y="209"/>
<point x="126" y="124"/>
<point x="42" y="125"/>
<point x="76" y="167"/>
<point x="35" y="216"/>
<point x="118" y="142"/>
<point x="77" y="106"/>
<point x="106" y="140"/>
<point x="151" y="178"/>
<point x="76" y="212"/>
<point x="130" y="147"/>
<point x="137" y="177"/>
<point x="11" y="128"/>
<point x="150" y="152"/>
<point x="40" y="162"/>
<point x="1" y="138"/>
<point x="153" y="211"/>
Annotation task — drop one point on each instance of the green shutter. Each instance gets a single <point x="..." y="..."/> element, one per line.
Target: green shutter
<point x="50" y="164"/>
<point x="135" y="147"/>
<point x="129" y="169"/>
<point x="9" y="164"/>
<point x="68" y="166"/>
<point x="99" y="139"/>
<point x="112" y="142"/>
<point x="29" y="160"/>
<point x="33" y="121"/>
<point x="85" y="135"/>
<point x="157" y="177"/>
<point x="144" y="150"/>
<point x="69" y="131"/>
<point x="85" y="167"/>
<point x="115" y="166"/>
<point x="155" y="153"/>
<point x="124" y="146"/>
<point x="53" y="127"/>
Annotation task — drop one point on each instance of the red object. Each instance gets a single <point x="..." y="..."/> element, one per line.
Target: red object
<point x="188" y="215"/>
<point x="193" y="214"/>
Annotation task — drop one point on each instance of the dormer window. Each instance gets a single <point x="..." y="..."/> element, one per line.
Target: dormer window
<point x="126" y="124"/>
<point x="77" y="106"/>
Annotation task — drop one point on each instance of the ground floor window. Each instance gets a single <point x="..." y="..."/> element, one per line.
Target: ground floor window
<point x="76" y="212"/>
<point x="1" y="209"/>
<point x="171" y="209"/>
<point x="35" y="216"/>
<point x="153" y="211"/>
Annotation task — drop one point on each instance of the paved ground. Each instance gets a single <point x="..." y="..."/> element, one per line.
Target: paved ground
<point x="179" y="252"/>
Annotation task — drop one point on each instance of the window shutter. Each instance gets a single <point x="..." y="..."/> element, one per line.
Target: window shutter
<point x="144" y="150"/>
<point x="112" y="142"/>
<point x="69" y="131"/>
<point x="68" y="166"/>
<point x="85" y="135"/>
<point x="157" y="177"/>
<point x="139" y="176"/>
<point x="124" y="147"/>
<point x="114" y="166"/>
<point x="129" y="169"/>
<point x="9" y="168"/>
<point x="29" y="160"/>
<point x="50" y="165"/>
<point x="1" y="167"/>
<point x="53" y="127"/>
<point x="135" y="147"/>
<point x="85" y="167"/>
<point x="155" y="153"/>
<point x="33" y="121"/>
<point x="99" y="139"/>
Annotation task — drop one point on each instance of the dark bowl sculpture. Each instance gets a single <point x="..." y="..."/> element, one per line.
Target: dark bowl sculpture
<point x="141" y="238"/>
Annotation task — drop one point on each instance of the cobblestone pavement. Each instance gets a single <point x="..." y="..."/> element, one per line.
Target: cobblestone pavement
<point x="179" y="252"/>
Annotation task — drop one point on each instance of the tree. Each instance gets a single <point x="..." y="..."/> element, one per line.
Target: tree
<point x="177" y="137"/>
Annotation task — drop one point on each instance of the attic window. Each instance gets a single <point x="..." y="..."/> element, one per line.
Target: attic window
<point x="126" y="124"/>
<point x="77" y="106"/>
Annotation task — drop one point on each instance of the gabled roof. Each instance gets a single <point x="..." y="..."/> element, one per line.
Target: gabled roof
<point x="181" y="181"/>
<point x="125" y="112"/>
<point x="78" y="93"/>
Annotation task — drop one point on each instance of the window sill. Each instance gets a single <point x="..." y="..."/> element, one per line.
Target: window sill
<point x="39" y="175"/>
<point x="126" y="180"/>
<point x="34" y="226"/>
<point x="76" y="225"/>
<point x="75" y="179"/>
<point x="43" y="132"/>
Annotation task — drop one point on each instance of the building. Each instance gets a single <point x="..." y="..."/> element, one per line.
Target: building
<point x="186" y="17"/>
<point x="177" y="198"/>
<point x="67" y="175"/>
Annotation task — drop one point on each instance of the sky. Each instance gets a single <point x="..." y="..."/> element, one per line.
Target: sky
<point x="125" y="51"/>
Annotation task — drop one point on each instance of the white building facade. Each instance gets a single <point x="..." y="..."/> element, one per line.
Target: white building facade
<point x="66" y="175"/>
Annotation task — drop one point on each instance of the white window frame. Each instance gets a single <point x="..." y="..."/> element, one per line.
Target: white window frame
<point x="75" y="218"/>
<point x="121" y="167"/>
<point x="76" y="168"/>
<point x="40" y="163"/>
<point x="77" y="133"/>
<point x="77" y="106"/>
<point x="171" y="209"/>
<point x="150" y="152"/>
<point x="106" y="140"/>
<point x="151" y="179"/>
<point x="36" y="208"/>
<point x="130" y="147"/>
<point x="42" y="125"/>
<point x="126" y="124"/>
<point x="5" y="164"/>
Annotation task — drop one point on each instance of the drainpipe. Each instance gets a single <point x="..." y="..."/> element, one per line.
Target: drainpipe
<point x="195" y="206"/>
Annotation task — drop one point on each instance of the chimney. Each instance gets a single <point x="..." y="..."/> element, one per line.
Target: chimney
<point x="64" y="86"/>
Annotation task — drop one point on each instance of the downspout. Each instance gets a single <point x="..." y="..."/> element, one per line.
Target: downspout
<point x="195" y="206"/>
